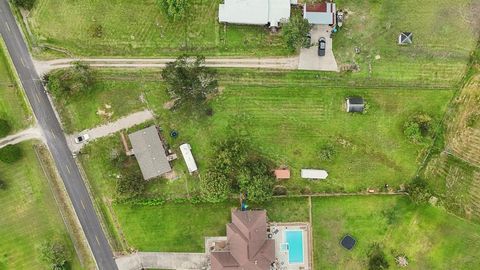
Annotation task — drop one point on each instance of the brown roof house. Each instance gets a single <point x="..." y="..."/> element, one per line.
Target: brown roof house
<point x="248" y="247"/>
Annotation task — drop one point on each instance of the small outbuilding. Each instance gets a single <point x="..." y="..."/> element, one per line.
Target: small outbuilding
<point x="320" y="13"/>
<point x="314" y="174"/>
<point x="281" y="174"/>
<point x="186" y="150"/>
<point x="149" y="152"/>
<point x="405" y="38"/>
<point x="355" y="104"/>
<point x="348" y="242"/>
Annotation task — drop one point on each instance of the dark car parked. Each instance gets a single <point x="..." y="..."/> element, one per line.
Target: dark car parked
<point x="322" y="43"/>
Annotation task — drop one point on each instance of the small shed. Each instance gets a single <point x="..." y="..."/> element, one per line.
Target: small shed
<point x="282" y="174"/>
<point x="355" y="104"/>
<point x="405" y="38"/>
<point x="314" y="174"/>
<point x="186" y="150"/>
<point x="320" y="13"/>
<point x="149" y="152"/>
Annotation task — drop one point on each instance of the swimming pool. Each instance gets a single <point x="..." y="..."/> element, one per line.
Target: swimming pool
<point x="295" y="245"/>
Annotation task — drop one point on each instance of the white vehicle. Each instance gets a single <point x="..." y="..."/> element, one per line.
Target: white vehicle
<point x="82" y="138"/>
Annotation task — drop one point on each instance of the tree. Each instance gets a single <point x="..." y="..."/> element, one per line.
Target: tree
<point x="79" y="78"/>
<point x="189" y="82"/>
<point x="418" y="190"/>
<point x="55" y="254"/>
<point x="376" y="258"/>
<point x="175" y="10"/>
<point x="257" y="180"/>
<point x="418" y="127"/>
<point x="295" y="33"/>
<point x="5" y="127"/>
<point x="130" y="185"/>
<point x="215" y="186"/>
<point x="10" y="154"/>
<point x="26" y="4"/>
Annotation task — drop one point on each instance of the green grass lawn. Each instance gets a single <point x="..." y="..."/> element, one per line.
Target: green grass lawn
<point x="12" y="104"/>
<point x="442" y="36"/>
<point x="182" y="227"/>
<point x="29" y="215"/>
<point x="288" y="118"/>
<point x="428" y="236"/>
<point x="139" y="28"/>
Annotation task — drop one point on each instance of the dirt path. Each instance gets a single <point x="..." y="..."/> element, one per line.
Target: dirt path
<point x="25" y="135"/>
<point x="162" y="260"/>
<point x="270" y="63"/>
<point x="110" y="128"/>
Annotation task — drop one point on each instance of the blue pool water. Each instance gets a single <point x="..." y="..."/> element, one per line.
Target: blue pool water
<point x="295" y="246"/>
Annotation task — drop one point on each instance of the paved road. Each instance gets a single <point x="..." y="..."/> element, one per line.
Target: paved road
<point x="270" y="63"/>
<point x="55" y="139"/>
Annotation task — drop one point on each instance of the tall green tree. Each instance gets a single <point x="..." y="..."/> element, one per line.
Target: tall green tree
<point x="190" y="82"/>
<point x="256" y="179"/>
<point x="175" y="10"/>
<point x="295" y="33"/>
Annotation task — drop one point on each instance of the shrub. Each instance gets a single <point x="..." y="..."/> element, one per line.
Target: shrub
<point x="3" y="184"/>
<point x="279" y="190"/>
<point x="5" y="128"/>
<point x="175" y="9"/>
<point x="256" y="179"/>
<point x="96" y="30"/>
<point x="11" y="154"/>
<point x="418" y="127"/>
<point x="130" y="185"/>
<point x="327" y="152"/>
<point x="55" y="254"/>
<point x="376" y="258"/>
<point x="71" y="81"/>
<point x="26" y="4"/>
<point x="295" y="32"/>
<point x="418" y="190"/>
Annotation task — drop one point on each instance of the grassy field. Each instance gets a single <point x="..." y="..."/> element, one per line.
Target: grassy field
<point x="12" y="105"/>
<point x="429" y="237"/>
<point x="287" y="117"/>
<point x="141" y="29"/>
<point x="182" y="227"/>
<point x="453" y="169"/>
<point x="442" y="36"/>
<point x="30" y="215"/>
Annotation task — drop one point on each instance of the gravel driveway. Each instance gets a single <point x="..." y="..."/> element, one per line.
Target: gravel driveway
<point x="309" y="59"/>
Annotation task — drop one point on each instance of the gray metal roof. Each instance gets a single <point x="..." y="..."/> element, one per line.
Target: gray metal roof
<point x="149" y="151"/>
<point x="256" y="12"/>
<point x="405" y="38"/>
<point x="355" y="104"/>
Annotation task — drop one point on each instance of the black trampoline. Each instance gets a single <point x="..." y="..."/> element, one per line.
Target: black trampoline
<point x="348" y="242"/>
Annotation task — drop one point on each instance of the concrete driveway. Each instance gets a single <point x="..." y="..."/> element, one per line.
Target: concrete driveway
<point x="309" y="59"/>
<point x="163" y="260"/>
<point x="110" y="128"/>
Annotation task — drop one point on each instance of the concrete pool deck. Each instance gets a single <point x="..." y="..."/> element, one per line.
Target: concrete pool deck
<point x="278" y="232"/>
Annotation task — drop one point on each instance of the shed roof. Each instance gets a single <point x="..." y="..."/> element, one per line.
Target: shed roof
<point x="188" y="157"/>
<point x="149" y="151"/>
<point x="355" y="104"/>
<point x="320" y="13"/>
<point x="257" y="12"/>
<point x="405" y="38"/>
<point x="314" y="174"/>
<point x="282" y="174"/>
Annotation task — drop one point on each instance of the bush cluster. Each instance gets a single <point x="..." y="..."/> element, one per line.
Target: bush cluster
<point x="11" y="154"/>
<point x="418" y="127"/>
<point x="5" y="128"/>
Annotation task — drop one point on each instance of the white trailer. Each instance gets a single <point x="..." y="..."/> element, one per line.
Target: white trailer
<point x="314" y="174"/>
<point x="186" y="150"/>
